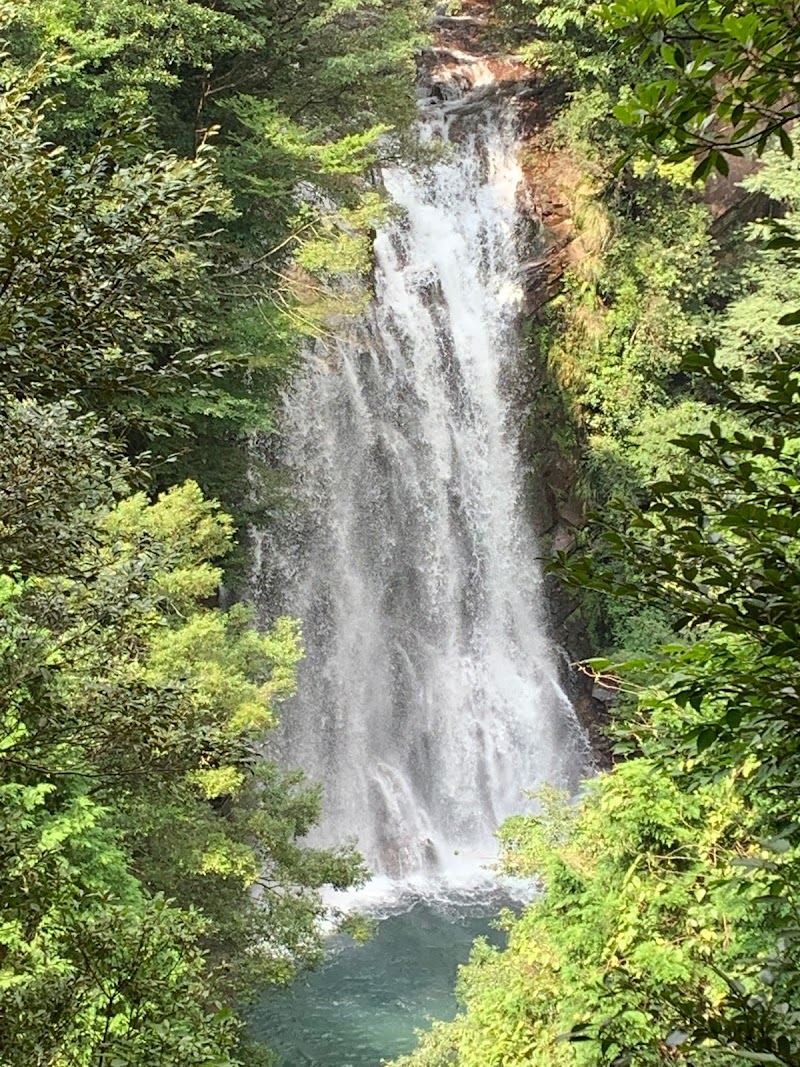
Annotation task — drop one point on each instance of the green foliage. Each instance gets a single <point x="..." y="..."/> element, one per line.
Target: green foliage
<point x="57" y="475"/>
<point x="340" y="63"/>
<point x="751" y="330"/>
<point x="616" y="335"/>
<point x="300" y="101"/>
<point x="297" y="93"/>
<point x="102" y="271"/>
<point x="647" y="299"/>
<point x="639" y="908"/>
<point x="568" y="38"/>
<point x="667" y="928"/>
<point x="648" y="282"/>
<point x="717" y="546"/>
<point x="569" y="42"/>
<point x="94" y="970"/>
<point x="129" y="778"/>
<point x="729" y="81"/>
<point x="154" y="867"/>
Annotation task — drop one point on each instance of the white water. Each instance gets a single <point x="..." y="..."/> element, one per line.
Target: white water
<point x="429" y="697"/>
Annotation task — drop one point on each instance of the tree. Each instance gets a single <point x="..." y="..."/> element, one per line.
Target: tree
<point x="102" y="271"/>
<point x="299" y="100"/>
<point x="315" y="73"/>
<point x="139" y="817"/>
<point x="155" y="871"/>
<point x="58" y="473"/>
<point x="730" y="82"/>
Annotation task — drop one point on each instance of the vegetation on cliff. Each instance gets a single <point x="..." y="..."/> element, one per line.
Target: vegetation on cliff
<point x="281" y="98"/>
<point x="668" y="928"/>
<point x="152" y="159"/>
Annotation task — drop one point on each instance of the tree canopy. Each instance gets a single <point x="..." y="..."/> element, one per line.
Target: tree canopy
<point x="151" y="159"/>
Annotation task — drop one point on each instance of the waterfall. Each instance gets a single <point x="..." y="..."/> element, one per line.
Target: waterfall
<point x="429" y="698"/>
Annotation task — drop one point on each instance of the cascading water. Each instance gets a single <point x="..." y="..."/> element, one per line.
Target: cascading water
<point x="428" y="698"/>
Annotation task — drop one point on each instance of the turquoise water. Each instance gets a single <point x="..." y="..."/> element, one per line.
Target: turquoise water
<point x="366" y="1001"/>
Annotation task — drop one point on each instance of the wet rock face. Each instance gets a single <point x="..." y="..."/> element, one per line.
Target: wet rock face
<point x="462" y="60"/>
<point x="463" y="68"/>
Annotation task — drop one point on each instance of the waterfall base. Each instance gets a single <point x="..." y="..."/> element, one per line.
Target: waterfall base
<point x="366" y="1002"/>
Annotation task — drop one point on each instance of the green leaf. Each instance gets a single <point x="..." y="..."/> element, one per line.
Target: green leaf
<point x="706" y="738"/>
<point x="703" y="168"/>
